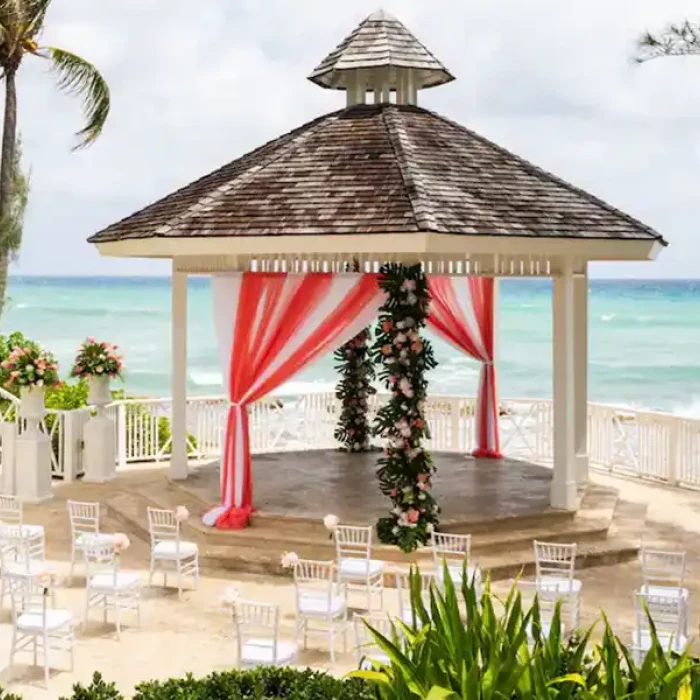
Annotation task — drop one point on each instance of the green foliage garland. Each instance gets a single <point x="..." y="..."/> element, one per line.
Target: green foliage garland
<point x="354" y="389"/>
<point x="406" y="469"/>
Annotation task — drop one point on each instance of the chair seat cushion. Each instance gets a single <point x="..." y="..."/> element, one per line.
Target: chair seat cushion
<point x="55" y="619"/>
<point x="33" y="567"/>
<point x="318" y="605"/>
<point x="28" y="531"/>
<point x="665" y="591"/>
<point x="360" y="568"/>
<point x="97" y="538"/>
<point x="560" y="585"/>
<point x="106" y="582"/>
<point x="168" y="549"/>
<point x="473" y="574"/>
<point x="668" y="641"/>
<point x="260" y="651"/>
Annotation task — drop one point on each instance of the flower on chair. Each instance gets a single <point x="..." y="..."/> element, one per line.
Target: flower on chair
<point x="289" y="560"/>
<point x="121" y="542"/>
<point x="229" y="596"/>
<point x="181" y="514"/>
<point x="331" y="522"/>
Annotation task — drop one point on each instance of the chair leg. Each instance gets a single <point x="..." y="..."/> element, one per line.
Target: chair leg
<point x="179" y="581"/>
<point x="46" y="659"/>
<point x="13" y="646"/>
<point x="151" y="571"/>
<point x="72" y="564"/>
<point x="331" y="639"/>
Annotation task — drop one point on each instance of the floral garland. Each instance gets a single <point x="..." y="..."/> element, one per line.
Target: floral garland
<point x="354" y="388"/>
<point x="406" y="469"/>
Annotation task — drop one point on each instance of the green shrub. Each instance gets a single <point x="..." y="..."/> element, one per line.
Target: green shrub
<point x="442" y="657"/>
<point x="98" y="689"/>
<point x="261" y="684"/>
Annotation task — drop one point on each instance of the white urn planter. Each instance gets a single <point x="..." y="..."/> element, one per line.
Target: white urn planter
<point x="99" y="394"/>
<point x="99" y="453"/>
<point x="32" y="449"/>
<point x="32" y="407"/>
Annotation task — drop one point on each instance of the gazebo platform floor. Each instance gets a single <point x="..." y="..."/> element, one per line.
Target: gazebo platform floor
<point x="503" y="504"/>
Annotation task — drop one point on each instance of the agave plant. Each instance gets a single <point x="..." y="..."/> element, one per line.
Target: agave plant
<point x="466" y="645"/>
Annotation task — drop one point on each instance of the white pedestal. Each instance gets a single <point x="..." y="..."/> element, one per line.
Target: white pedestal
<point x="99" y="452"/>
<point x="33" y="477"/>
<point x="8" y="435"/>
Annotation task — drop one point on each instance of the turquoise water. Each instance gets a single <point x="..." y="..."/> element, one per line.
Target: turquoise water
<point x="644" y="337"/>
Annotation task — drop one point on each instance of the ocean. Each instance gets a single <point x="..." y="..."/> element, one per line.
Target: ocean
<point x="644" y="338"/>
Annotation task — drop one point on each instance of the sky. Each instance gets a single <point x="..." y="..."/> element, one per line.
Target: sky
<point x="195" y="85"/>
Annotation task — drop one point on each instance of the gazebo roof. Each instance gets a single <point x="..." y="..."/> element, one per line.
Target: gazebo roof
<point x="379" y="169"/>
<point x="380" y="41"/>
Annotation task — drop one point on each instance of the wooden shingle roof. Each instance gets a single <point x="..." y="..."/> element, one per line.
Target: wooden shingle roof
<point x="375" y="169"/>
<point x="381" y="40"/>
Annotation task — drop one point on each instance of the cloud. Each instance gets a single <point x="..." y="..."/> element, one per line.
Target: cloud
<point x="195" y="85"/>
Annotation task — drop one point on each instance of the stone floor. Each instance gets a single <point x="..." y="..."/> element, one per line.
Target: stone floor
<point x="197" y="633"/>
<point x="312" y="484"/>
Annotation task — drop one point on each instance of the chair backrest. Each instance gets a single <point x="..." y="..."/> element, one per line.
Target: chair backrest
<point x="547" y="599"/>
<point x="353" y="541"/>
<point x="26" y="594"/>
<point x="663" y="568"/>
<point x="555" y="560"/>
<point x="84" y="517"/>
<point x="163" y="525"/>
<point x="365" y="644"/>
<point x="314" y="578"/>
<point x="258" y="621"/>
<point x="403" y="587"/>
<point x="450" y="548"/>
<point x="10" y="510"/>
<point x="15" y="546"/>
<point x="665" y="611"/>
<point x="101" y="559"/>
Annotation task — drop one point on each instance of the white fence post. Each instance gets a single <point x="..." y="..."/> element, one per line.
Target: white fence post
<point x="121" y="435"/>
<point x="674" y="442"/>
<point x="72" y="445"/>
<point x="8" y="436"/>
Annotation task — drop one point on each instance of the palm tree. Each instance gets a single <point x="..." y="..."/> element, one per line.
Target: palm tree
<point x="676" y="40"/>
<point x="21" y="23"/>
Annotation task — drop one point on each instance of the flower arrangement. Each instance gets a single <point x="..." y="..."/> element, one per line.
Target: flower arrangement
<point x="121" y="543"/>
<point x="406" y="468"/>
<point x="229" y="597"/>
<point x="289" y="560"/>
<point x="181" y="514"/>
<point x="331" y="522"/>
<point x="97" y="359"/>
<point x="355" y="366"/>
<point x="30" y="366"/>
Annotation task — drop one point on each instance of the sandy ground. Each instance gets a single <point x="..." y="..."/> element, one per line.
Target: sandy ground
<point x="196" y="635"/>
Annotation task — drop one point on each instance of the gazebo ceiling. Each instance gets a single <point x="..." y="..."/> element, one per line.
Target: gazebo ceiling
<point x="381" y="182"/>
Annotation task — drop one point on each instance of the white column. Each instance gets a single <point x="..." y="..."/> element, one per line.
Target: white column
<point x="581" y="375"/>
<point x="564" y="488"/>
<point x="178" y="458"/>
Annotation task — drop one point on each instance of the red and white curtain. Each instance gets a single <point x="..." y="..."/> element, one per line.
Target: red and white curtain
<point x="270" y="326"/>
<point x="461" y="312"/>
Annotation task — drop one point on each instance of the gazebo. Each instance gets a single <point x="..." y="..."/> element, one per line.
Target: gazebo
<point x="384" y="180"/>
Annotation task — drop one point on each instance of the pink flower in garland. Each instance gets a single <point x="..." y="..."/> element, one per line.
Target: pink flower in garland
<point x="412" y="515"/>
<point x="424" y="486"/>
<point x="405" y="387"/>
<point x="422" y="478"/>
<point x="419" y="423"/>
<point x="386" y="349"/>
<point x="393" y="492"/>
<point x="408" y="285"/>
<point x="387" y="326"/>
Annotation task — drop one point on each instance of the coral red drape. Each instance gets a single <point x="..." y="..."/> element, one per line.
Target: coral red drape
<point x="270" y="326"/>
<point x="462" y="313"/>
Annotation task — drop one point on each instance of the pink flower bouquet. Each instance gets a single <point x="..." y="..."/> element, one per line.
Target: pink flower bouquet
<point x="31" y="366"/>
<point x="97" y="359"/>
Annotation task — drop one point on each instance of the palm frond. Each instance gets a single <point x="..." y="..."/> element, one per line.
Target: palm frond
<point x="35" y="14"/>
<point x="79" y="77"/>
<point x="676" y="40"/>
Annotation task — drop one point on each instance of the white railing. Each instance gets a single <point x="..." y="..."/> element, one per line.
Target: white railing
<point x="645" y="444"/>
